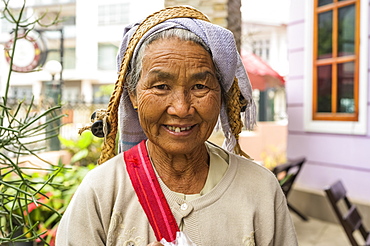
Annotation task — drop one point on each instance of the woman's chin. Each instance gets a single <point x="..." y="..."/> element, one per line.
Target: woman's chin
<point x="180" y="147"/>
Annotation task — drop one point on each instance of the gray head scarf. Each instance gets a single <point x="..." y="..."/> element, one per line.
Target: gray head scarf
<point x="226" y="58"/>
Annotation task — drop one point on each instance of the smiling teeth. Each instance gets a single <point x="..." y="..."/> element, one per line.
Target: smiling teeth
<point x="178" y="129"/>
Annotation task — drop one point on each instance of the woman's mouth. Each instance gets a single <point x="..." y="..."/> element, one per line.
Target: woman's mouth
<point x="178" y="129"/>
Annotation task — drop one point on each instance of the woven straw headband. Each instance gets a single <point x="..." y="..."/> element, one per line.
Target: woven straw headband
<point x="108" y="119"/>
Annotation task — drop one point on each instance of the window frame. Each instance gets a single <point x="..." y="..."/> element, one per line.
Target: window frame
<point x="339" y="126"/>
<point x="113" y="13"/>
<point x="104" y="60"/>
<point x="334" y="61"/>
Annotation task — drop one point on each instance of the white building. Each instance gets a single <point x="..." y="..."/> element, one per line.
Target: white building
<point x="92" y="31"/>
<point x="264" y="33"/>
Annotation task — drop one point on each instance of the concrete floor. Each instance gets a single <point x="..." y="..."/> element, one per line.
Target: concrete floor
<point x="315" y="232"/>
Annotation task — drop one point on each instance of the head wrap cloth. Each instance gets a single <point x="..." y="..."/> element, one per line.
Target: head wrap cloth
<point x="225" y="56"/>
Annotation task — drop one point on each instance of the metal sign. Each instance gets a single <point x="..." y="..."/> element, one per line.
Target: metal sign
<point x="30" y="51"/>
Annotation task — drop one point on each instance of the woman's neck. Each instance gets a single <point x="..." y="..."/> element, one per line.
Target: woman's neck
<point x="182" y="173"/>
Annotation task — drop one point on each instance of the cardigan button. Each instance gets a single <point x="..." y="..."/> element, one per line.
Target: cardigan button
<point x="184" y="206"/>
<point x="129" y="243"/>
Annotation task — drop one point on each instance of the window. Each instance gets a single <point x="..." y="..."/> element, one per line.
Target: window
<point x="69" y="20"/>
<point x="68" y="92"/>
<point x="340" y="72"/>
<point x="71" y="92"/>
<point x="21" y="93"/>
<point x="336" y="60"/>
<point x="261" y="48"/>
<point x="107" y="56"/>
<point x="113" y="14"/>
<point x="69" y="57"/>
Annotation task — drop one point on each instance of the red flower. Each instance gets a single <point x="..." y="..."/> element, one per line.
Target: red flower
<point x="33" y="205"/>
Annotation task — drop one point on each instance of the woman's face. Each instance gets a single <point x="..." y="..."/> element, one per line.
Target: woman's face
<point x="178" y="95"/>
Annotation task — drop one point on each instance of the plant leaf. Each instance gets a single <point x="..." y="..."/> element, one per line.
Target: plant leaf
<point x="79" y="155"/>
<point x="85" y="140"/>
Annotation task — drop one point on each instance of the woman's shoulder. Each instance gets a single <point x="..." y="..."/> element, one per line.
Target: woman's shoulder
<point x="233" y="158"/>
<point x="249" y="164"/>
<point x="243" y="166"/>
<point x="105" y="172"/>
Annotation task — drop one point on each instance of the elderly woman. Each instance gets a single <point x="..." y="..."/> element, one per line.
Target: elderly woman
<point x="179" y="78"/>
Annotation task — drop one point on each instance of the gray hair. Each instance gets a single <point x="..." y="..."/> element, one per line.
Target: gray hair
<point x="134" y="70"/>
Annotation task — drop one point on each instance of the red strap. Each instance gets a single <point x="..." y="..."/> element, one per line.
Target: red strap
<point x="149" y="192"/>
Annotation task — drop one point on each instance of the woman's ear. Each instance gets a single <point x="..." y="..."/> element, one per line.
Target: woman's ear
<point x="133" y="99"/>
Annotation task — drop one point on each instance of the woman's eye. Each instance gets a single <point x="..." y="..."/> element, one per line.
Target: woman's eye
<point x="199" y="87"/>
<point x="161" y="87"/>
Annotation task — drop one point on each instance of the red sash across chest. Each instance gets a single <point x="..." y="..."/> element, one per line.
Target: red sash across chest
<point x="149" y="192"/>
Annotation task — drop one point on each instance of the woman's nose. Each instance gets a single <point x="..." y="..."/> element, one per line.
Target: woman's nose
<point x="181" y="105"/>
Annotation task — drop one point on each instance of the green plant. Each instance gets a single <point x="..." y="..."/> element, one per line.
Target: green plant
<point x="85" y="150"/>
<point x="51" y="200"/>
<point x="105" y="90"/>
<point x="22" y="129"/>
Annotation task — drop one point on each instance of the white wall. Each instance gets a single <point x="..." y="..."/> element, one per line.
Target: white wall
<point x="267" y="20"/>
<point x="266" y="11"/>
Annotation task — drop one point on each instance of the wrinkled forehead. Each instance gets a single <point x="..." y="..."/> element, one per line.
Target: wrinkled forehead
<point x="174" y="45"/>
<point x="175" y="53"/>
<point x="181" y="34"/>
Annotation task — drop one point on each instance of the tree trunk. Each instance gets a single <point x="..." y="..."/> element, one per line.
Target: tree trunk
<point x="234" y="20"/>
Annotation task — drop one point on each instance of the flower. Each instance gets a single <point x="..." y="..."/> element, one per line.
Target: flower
<point x="44" y="208"/>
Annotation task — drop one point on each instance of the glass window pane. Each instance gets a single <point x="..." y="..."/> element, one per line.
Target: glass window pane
<point x="21" y="92"/>
<point x="69" y="58"/>
<point x="106" y="56"/>
<point x="324" y="40"/>
<point x="346" y="30"/>
<point x="113" y="14"/>
<point x="324" y="88"/>
<point x="345" y="103"/>
<point x="324" y="2"/>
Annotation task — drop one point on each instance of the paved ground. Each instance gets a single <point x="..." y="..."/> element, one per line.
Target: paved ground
<point x="319" y="233"/>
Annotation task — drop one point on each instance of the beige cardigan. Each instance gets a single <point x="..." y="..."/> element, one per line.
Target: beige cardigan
<point x="247" y="207"/>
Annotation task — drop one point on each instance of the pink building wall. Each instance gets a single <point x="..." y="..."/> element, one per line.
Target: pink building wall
<point x="329" y="156"/>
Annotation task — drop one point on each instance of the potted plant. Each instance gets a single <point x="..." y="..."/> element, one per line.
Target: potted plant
<point x="22" y="128"/>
